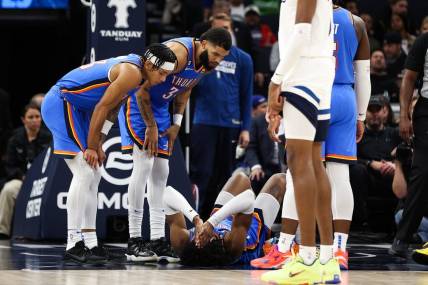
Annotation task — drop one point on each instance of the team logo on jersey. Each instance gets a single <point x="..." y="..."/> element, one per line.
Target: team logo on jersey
<point x="122" y="11"/>
<point x="117" y="167"/>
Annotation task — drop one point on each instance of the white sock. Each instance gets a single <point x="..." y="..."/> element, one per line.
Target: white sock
<point x="73" y="237"/>
<point x="157" y="223"/>
<point x="155" y="191"/>
<point x="135" y="218"/>
<point x="90" y="239"/>
<point x="284" y="242"/>
<point x="326" y="253"/>
<point x="340" y="240"/>
<point x="308" y="254"/>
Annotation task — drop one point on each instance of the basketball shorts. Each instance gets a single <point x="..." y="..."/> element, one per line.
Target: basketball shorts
<point x="307" y="93"/>
<point x="69" y="126"/>
<point x="133" y="128"/>
<point x="340" y="144"/>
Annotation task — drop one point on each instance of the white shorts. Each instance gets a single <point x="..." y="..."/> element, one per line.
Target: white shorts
<point x="307" y="92"/>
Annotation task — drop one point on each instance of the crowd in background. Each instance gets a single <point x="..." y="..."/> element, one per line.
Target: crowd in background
<point x="229" y="106"/>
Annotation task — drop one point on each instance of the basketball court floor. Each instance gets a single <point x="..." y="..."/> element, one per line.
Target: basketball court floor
<point x="42" y="263"/>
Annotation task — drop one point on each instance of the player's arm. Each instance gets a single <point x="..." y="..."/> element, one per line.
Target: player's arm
<point x="127" y="78"/>
<point x="362" y="74"/>
<point x="299" y="38"/>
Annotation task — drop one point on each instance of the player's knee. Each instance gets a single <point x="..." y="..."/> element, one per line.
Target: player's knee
<point x="275" y="186"/>
<point x="242" y="179"/>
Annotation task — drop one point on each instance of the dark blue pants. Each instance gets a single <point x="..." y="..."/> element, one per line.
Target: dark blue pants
<point x="212" y="156"/>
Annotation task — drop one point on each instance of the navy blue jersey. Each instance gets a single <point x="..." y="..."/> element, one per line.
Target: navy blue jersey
<point x="84" y="86"/>
<point x="345" y="37"/>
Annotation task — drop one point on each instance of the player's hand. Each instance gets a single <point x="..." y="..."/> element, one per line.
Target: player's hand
<point x="101" y="155"/>
<point x="171" y="133"/>
<point x="275" y="101"/>
<point x="360" y="130"/>
<point x="244" y="138"/>
<point x="205" y="235"/>
<point x="151" y="140"/>
<point x="273" y="128"/>
<point x="197" y="221"/>
<point x="406" y="129"/>
<point x="91" y="157"/>
<point x="387" y="168"/>
<point x="257" y="174"/>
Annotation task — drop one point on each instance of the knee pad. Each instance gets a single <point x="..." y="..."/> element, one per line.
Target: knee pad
<point x="342" y="200"/>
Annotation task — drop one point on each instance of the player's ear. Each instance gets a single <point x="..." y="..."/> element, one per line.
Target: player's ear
<point x="204" y="44"/>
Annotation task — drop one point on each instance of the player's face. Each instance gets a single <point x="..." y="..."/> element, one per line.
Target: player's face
<point x="212" y="55"/>
<point x="156" y="75"/>
<point x="32" y="119"/>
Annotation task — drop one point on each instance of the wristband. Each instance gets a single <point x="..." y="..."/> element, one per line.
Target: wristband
<point x="176" y="119"/>
<point x="106" y="127"/>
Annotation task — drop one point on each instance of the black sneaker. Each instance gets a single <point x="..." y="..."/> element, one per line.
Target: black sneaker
<point x="137" y="251"/>
<point x="162" y="250"/>
<point x="399" y="248"/>
<point x="77" y="253"/>
<point x="97" y="255"/>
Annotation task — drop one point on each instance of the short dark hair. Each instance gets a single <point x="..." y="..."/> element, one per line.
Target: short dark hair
<point x="162" y="52"/>
<point x="219" y="37"/>
<point x="212" y="254"/>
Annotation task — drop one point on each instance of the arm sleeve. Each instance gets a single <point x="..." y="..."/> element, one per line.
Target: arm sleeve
<point x="242" y="203"/>
<point x="175" y="202"/>
<point x="251" y="157"/>
<point x="416" y="58"/>
<point x="362" y="86"/>
<point x="246" y="90"/>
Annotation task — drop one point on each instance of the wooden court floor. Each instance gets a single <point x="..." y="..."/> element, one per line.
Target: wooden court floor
<point x="43" y="264"/>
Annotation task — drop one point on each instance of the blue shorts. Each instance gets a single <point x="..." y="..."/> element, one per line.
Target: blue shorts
<point x="257" y="234"/>
<point x="69" y="126"/>
<point x="133" y="128"/>
<point x="340" y="144"/>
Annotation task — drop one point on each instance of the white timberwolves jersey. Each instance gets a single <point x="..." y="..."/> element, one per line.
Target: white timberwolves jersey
<point x="322" y="28"/>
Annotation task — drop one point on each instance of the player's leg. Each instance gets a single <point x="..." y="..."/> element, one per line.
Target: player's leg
<point x="268" y="201"/>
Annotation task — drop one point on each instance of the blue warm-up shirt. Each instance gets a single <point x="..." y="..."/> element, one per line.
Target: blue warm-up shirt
<point x="223" y="97"/>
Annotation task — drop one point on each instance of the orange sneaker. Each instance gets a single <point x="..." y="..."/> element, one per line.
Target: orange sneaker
<point x="273" y="260"/>
<point x="342" y="257"/>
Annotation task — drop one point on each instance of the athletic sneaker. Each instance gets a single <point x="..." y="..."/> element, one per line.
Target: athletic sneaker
<point x="137" y="251"/>
<point x="342" y="257"/>
<point x="273" y="260"/>
<point x="77" y="253"/>
<point x="421" y="255"/>
<point x="97" y="255"/>
<point x="162" y="250"/>
<point x="297" y="272"/>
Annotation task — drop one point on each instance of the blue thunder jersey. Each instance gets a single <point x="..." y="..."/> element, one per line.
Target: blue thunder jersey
<point x="345" y="38"/>
<point x="84" y="86"/>
<point x="257" y="234"/>
<point x="132" y="126"/>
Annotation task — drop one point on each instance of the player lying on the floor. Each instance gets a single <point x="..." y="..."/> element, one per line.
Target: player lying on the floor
<point x="237" y="229"/>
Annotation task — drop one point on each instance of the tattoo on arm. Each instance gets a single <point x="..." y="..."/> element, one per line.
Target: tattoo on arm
<point x="145" y="106"/>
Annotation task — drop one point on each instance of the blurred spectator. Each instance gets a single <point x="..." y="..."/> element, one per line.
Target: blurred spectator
<point x="261" y="33"/>
<point x="274" y="57"/>
<point x="262" y="154"/>
<point x="382" y="83"/>
<point x="172" y="9"/>
<point x="37" y="99"/>
<point x="399" y="7"/>
<point x="374" y="43"/>
<point x="352" y="6"/>
<point x="259" y="105"/>
<point x="416" y="127"/>
<point x="222" y="119"/>
<point x="424" y="26"/>
<point x="5" y="130"/>
<point x="371" y="177"/>
<point x="399" y="24"/>
<point x="237" y="11"/>
<point x="25" y="144"/>
<point x="395" y="56"/>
